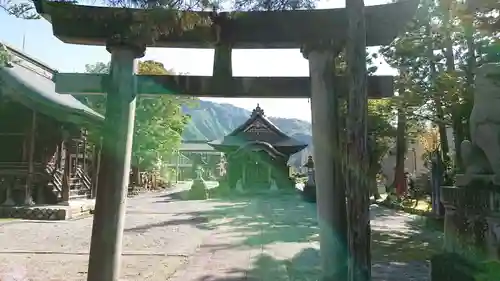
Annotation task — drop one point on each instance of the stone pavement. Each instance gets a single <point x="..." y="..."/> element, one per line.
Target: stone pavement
<point x="166" y="238"/>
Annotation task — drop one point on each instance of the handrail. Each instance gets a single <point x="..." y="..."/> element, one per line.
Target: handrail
<point x="55" y="177"/>
<point x="87" y="184"/>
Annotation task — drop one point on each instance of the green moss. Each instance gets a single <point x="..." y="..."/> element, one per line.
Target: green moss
<point x="454" y="267"/>
<point x="490" y="271"/>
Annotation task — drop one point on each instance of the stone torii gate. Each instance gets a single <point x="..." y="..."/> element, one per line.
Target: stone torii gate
<point x="320" y="34"/>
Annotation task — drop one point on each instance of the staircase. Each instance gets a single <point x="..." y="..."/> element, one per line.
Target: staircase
<point x="80" y="185"/>
<point x="52" y="184"/>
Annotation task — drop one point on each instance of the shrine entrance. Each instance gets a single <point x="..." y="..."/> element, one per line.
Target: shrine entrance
<point x="257" y="174"/>
<point x="225" y="31"/>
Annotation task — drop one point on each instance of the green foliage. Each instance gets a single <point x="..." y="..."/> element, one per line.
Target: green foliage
<point x="382" y="133"/>
<point x="159" y="121"/>
<point x="5" y="56"/>
<point x="19" y="9"/>
<point x="435" y="84"/>
<point x="490" y="272"/>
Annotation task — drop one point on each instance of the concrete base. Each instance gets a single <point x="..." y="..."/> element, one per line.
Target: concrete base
<point x="74" y="209"/>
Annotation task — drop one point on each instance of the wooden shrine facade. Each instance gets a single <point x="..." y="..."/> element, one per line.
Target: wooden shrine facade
<point x="257" y="153"/>
<point x="45" y="157"/>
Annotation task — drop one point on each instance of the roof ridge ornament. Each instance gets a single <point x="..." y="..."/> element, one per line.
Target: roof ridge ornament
<point x="258" y="111"/>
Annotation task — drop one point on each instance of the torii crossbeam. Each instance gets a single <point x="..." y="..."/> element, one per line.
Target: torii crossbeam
<point x="208" y="86"/>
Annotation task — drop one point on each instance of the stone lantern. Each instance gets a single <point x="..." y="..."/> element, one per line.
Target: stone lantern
<point x="309" y="191"/>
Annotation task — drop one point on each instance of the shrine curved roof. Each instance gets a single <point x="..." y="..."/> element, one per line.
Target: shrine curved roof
<point x="258" y="115"/>
<point x="30" y="82"/>
<point x="260" y="145"/>
<point x="258" y="128"/>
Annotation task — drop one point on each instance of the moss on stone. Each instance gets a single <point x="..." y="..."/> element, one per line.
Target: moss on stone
<point x="198" y="190"/>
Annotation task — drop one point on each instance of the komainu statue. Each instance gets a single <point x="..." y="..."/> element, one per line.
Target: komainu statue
<point x="481" y="155"/>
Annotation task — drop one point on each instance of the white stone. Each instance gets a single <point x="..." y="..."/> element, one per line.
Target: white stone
<point x="310" y="178"/>
<point x="239" y="186"/>
<point x="28" y="201"/>
<point x="8" y="198"/>
<point x="199" y="173"/>
<point x="274" y="186"/>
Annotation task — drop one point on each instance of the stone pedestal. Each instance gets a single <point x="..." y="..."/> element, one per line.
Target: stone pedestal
<point x="198" y="190"/>
<point x="472" y="229"/>
<point x="472" y="217"/>
<point x="8" y="197"/>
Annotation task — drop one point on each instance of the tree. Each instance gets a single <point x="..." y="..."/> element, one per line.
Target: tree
<point x="19" y="9"/>
<point x="456" y="37"/>
<point x="381" y="135"/>
<point x="159" y="121"/>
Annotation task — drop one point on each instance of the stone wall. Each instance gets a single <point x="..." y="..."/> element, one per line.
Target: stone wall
<point x="34" y="213"/>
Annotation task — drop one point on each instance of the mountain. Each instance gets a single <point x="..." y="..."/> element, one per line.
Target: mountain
<point x="210" y="121"/>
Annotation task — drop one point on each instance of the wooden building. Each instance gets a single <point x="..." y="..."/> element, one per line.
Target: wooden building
<point x="192" y="153"/>
<point x="257" y="153"/>
<point x="45" y="156"/>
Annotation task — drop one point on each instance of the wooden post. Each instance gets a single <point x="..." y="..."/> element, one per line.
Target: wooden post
<point x="66" y="171"/>
<point x="330" y="198"/>
<point x="77" y="155"/>
<point x="177" y="166"/>
<point x="357" y="161"/>
<point x="96" y="163"/>
<point x="401" y="150"/>
<point x="84" y="154"/>
<point x="109" y="218"/>
<point x="59" y="155"/>
<point x="28" y="199"/>
<point x="244" y="173"/>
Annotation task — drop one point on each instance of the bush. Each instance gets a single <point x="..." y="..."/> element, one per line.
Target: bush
<point x="198" y="190"/>
<point x="222" y="189"/>
<point x="453" y="267"/>
<point x="309" y="193"/>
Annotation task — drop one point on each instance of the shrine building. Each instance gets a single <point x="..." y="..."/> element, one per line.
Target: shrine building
<point x="257" y="153"/>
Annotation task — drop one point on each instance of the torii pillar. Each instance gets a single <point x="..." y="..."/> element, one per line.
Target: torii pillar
<point x="109" y="218"/>
<point x="330" y="194"/>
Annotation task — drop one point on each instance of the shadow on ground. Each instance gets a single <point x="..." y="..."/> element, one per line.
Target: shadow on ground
<point x="285" y="218"/>
<point x="401" y="244"/>
<point x="262" y="220"/>
<point x="402" y="238"/>
<point x="304" y="266"/>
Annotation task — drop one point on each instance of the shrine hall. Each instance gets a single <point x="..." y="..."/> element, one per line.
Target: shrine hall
<point x="257" y="153"/>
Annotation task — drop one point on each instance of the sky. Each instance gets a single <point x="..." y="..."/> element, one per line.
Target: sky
<point x="40" y="43"/>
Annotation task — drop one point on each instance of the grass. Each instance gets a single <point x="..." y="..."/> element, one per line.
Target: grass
<point x="420" y="205"/>
<point x="2" y="220"/>
<point x="413" y="242"/>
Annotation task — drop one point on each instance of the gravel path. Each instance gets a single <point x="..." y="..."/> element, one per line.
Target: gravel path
<point x="213" y="240"/>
